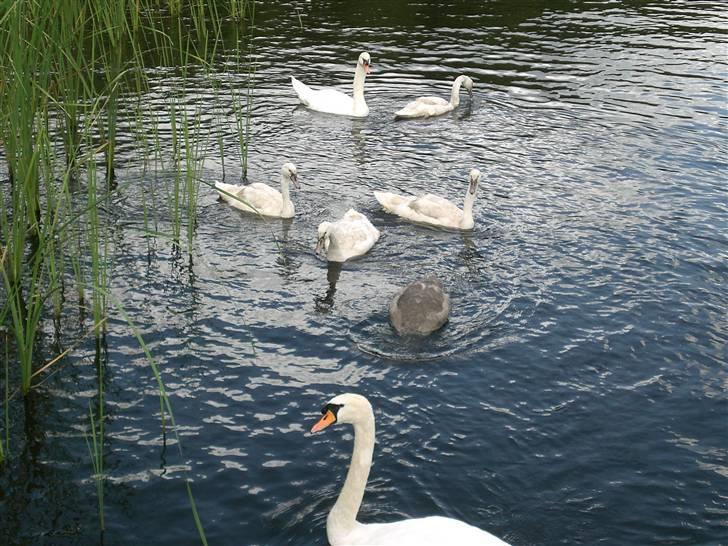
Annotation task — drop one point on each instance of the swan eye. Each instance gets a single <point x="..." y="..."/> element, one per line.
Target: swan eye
<point x="333" y="408"/>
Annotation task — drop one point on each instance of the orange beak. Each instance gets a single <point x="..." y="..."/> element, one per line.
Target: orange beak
<point x="328" y="419"/>
<point x="367" y="68"/>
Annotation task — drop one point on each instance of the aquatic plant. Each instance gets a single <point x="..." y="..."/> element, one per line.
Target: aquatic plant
<point x="67" y="67"/>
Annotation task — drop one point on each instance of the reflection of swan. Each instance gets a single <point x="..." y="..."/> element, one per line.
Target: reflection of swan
<point x="332" y="101"/>
<point x="341" y="525"/>
<point x="420" y="308"/>
<point x="347" y="238"/>
<point x="432" y="209"/>
<point x="424" y="107"/>
<point x="325" y="303"/>
<point x="261" y="198"/>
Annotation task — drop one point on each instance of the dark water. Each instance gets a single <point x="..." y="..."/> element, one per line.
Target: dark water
<point x="578" y="394"/>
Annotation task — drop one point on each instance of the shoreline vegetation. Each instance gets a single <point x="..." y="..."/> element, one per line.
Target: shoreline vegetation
<point x="71" y="72"/>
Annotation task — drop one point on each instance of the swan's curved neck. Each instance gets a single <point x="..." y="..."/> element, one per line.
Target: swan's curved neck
<point x="468" y="221"/>
<point x="342" y="518"/>
<point x="359" y="77"/>
<point x="455" y="94"/>
<point x="285" y="193"/>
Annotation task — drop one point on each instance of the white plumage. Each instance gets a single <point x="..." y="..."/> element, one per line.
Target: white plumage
<point x="341" y="525"/>
<point x="425" y="107"/>
<point x="259" y="198"/>
<point x="350" y="237"/>
<point x="432" y="209"/>
<point x="332" y="101"/>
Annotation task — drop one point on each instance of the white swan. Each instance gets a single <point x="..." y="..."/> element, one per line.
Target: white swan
<point x="341" y="525"/>
<point x="260" y="198"/>
<point x="433" y="210"/>
<point x="347" y="238"/>
<point x="425" y="107"/>
<point x="420" y="308"/>
<point x="332" y="101"/>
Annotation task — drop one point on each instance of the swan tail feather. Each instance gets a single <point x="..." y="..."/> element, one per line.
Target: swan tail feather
<point x="390" y="201"/>
<point x="224" y="189"/>
<point x="405" y="113"/>
<point x="302" y="90"/>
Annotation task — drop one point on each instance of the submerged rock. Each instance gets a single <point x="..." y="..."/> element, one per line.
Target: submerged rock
<point x="420" y="308"/>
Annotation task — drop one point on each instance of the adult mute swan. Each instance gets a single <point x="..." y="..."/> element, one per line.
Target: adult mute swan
<point x="347" y="238"/>
<point x="261" y="198"/>
<point x="341" y="525"/>
<point x="425" y="107"/>
<point x="420" y="308"/>
<point x="332" y="101"/>
<point x="431" y="209"/>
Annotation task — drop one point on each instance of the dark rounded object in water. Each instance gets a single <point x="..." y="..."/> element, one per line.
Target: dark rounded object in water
<point x="420" y="308"/>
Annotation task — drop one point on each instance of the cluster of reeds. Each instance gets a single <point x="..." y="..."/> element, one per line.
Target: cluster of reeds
<point x="65" y="67"/>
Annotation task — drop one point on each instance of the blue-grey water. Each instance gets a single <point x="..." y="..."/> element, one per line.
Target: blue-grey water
<point x="578" y="394"/>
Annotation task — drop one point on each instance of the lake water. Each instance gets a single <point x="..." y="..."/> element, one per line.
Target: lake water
<point x="578" y="394"/>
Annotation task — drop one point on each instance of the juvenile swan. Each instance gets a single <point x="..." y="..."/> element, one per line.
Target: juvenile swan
<point x="431" y="209"/>
<point x="425" y="107"/>
<point x="420" y="308"/>
<point x="260" y="198"/>
<point x="347" y="238"/>
<point x="331" y="101"/>
<point x="341" y="525"/>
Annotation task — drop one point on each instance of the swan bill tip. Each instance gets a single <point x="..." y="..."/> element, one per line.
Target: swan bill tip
<point x="326" y="420"/>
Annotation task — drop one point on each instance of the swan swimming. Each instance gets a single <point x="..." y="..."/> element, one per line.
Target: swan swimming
<point x="332" y="101"/>
<point x="350" y="237"/>
<point x="342" y="528"/>
<point x="420" y="308"/>
<point x="425" y="107"/>
<point x="260" y="198"/>
<point x="431" y="209"/>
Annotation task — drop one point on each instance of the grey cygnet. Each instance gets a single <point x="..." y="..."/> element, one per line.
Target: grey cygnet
<point x="420" y="308"/>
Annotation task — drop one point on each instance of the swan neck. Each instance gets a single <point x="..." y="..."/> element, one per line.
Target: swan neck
<point x="359" y="77"/>
<point x="342" y="518"/>
<point x="285" y="193"/>
<point x="287" y="209"/>
<point x="468" y="221"/>
<point x="455" y="94"/>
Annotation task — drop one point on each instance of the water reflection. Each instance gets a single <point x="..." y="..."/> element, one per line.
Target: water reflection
<point x="325" y="303"/>
<point x="597" y="264"/>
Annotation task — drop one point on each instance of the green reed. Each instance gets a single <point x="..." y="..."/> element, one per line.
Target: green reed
<point x="67" y="66"/>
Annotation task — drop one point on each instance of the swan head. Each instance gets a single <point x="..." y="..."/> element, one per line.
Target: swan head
<point x="323" y="237"/>
<point x="468" y="85"/>
<point x="365" y="61"/>
<point x="288" y="171"/>
<point x="345" y="408"/>
<point x="474" y="180"/>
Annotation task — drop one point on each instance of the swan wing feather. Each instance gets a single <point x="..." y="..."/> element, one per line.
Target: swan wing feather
<point x="326" y="100"/>
<point x="350" y="237"/>
<point x="434" y="206"/>
<point x="266" y="200"/>
<point x="424" y="107"/>
<point x="391" y="202"/>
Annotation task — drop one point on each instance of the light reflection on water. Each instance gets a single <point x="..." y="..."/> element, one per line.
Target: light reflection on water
<point x="578" y="393"/>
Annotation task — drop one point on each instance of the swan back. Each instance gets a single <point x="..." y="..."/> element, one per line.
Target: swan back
<point x="425" y="107"/>
<point x="332" y="101"/>
<point x="351" y="236"/>
<point x="420" y="308"/>
<point x="259" y="198"/>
